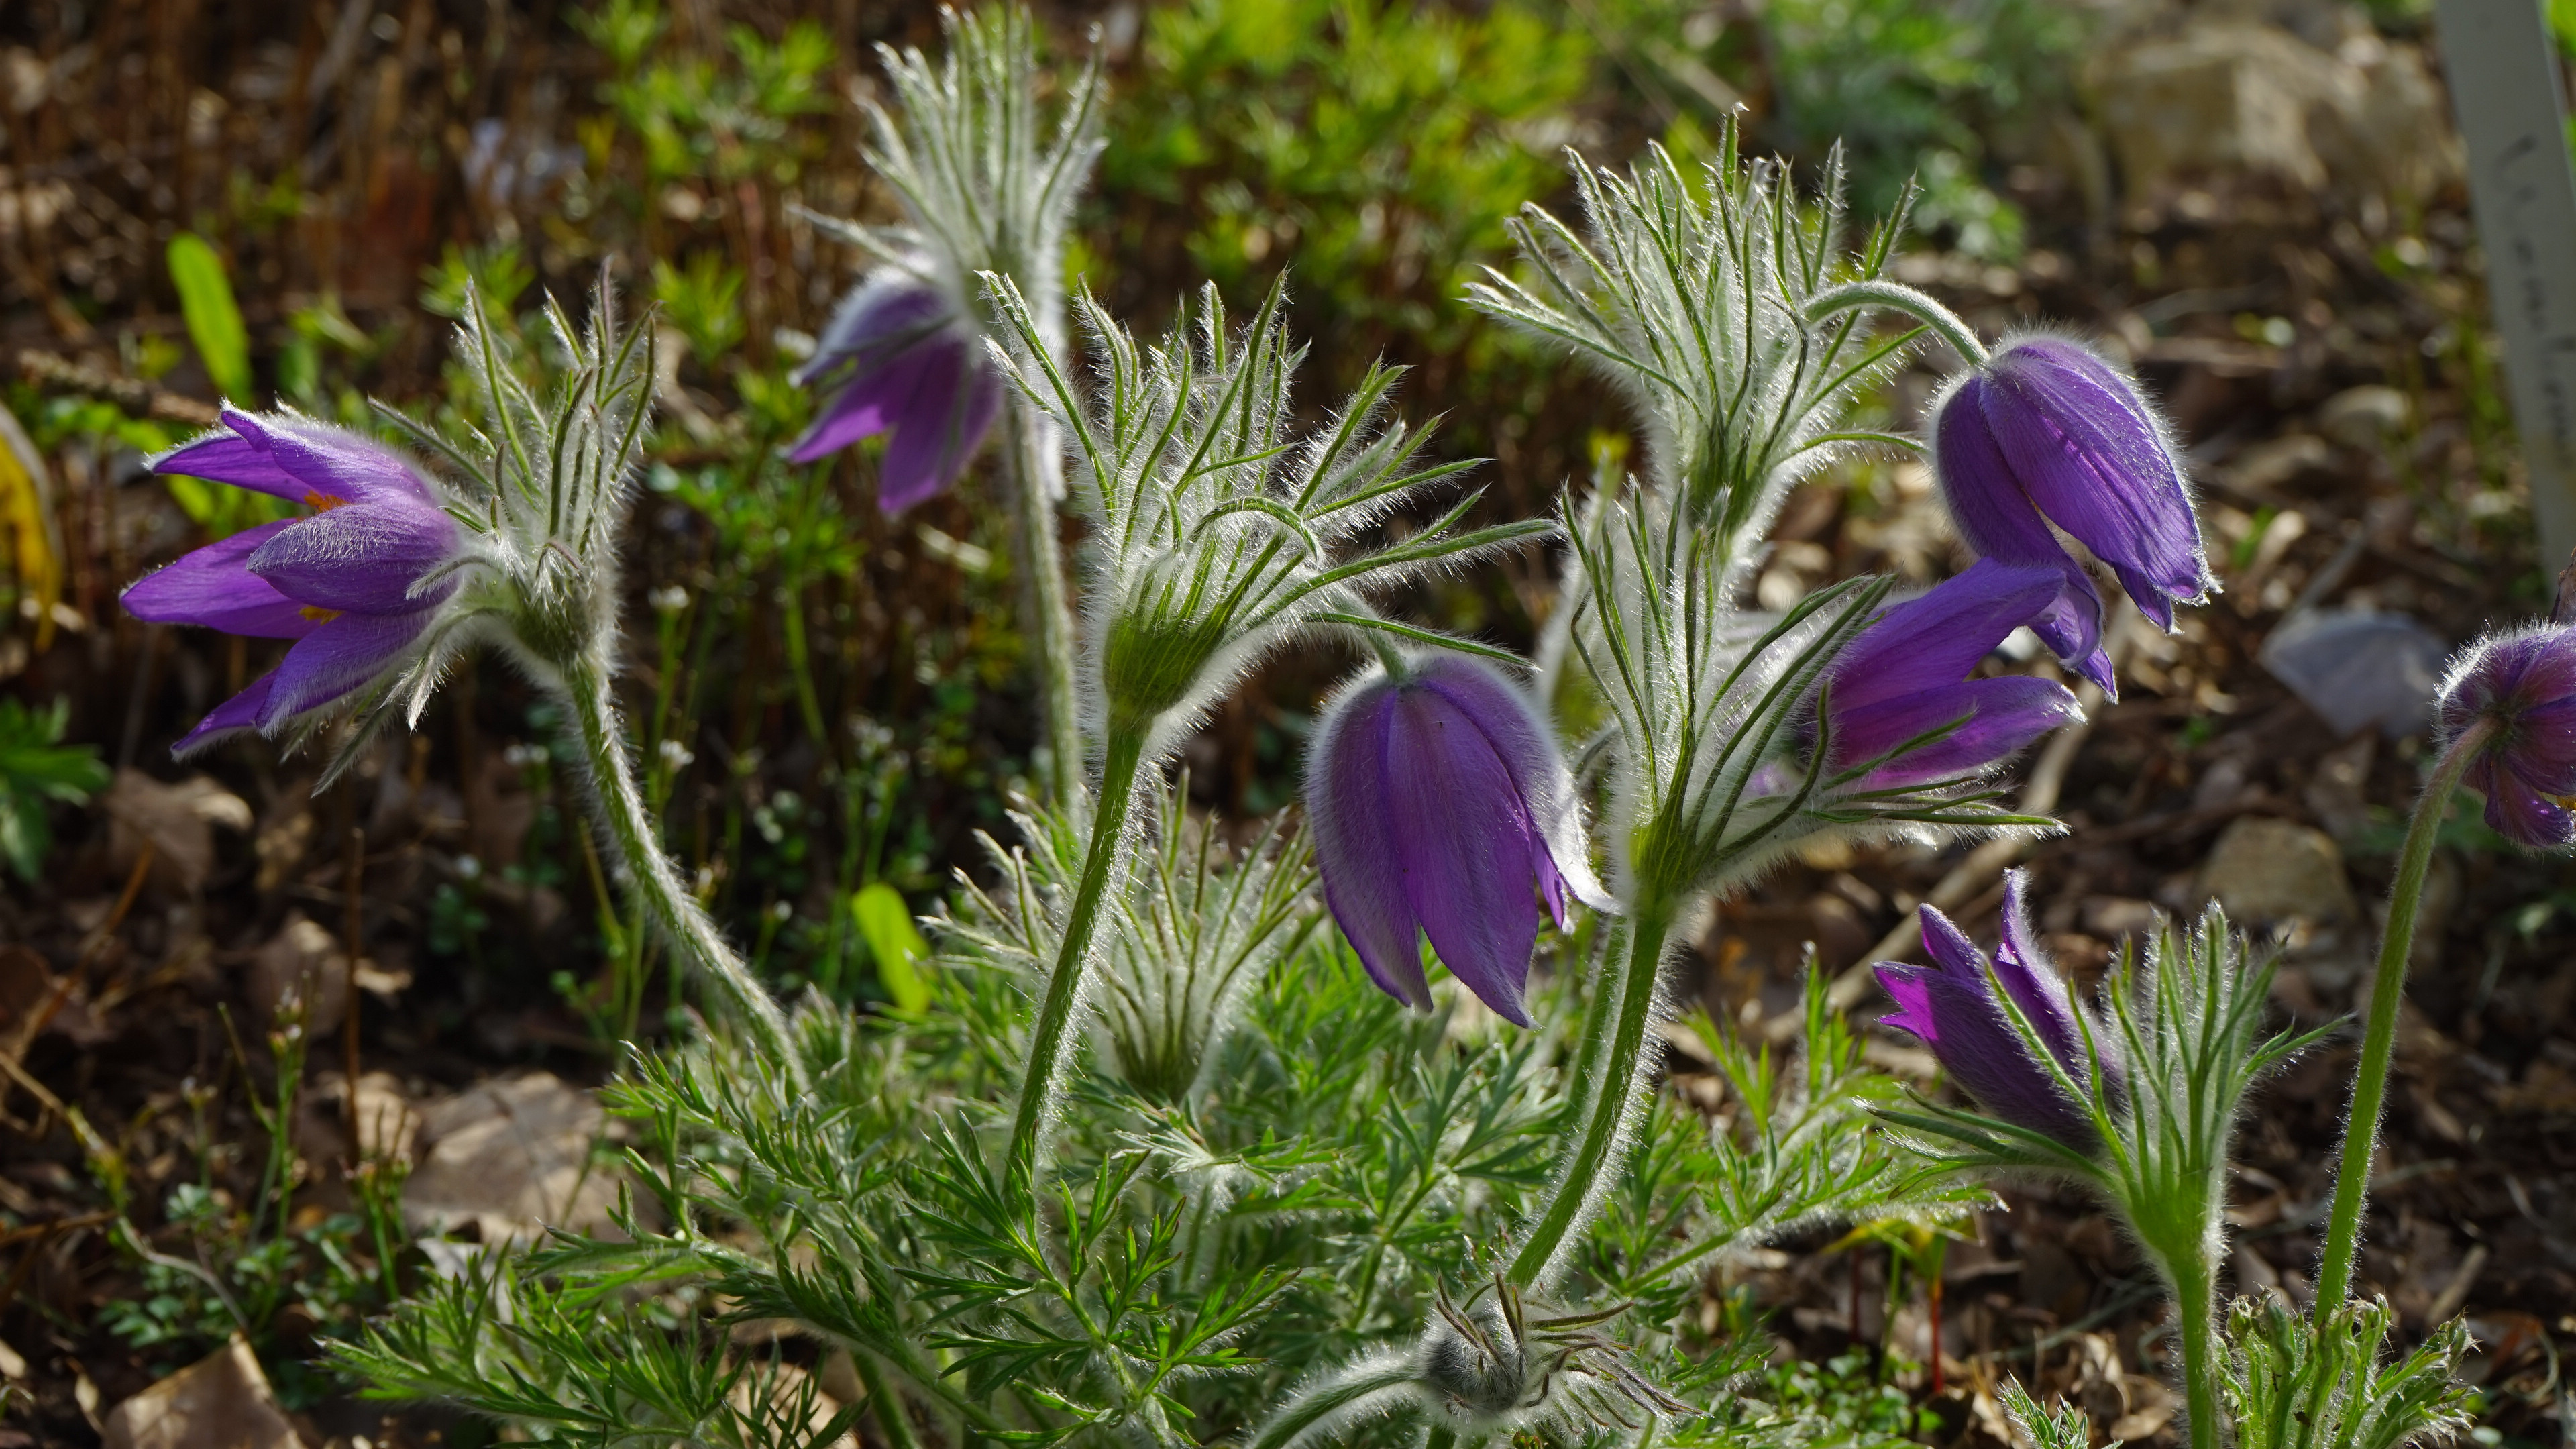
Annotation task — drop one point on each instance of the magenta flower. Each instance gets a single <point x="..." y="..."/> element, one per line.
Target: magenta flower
<point x="1440" y="807"/>
<point x="904" y="360"/>
<point x="355" y="583"/>
<point x="2043" y="433"/>
<point x="2524" y="685"/>
<point x="1908" y="673"/>
<point x="1951" y="1007"/>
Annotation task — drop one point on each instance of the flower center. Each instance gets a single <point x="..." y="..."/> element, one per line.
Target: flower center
<point x="317" y="613"/>
<point x="321" y="502"/>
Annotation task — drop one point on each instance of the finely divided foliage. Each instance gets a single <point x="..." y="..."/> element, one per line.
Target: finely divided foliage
<point x="1219" y="532"/>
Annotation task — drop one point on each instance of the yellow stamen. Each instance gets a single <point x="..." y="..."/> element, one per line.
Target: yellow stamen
<point x="317" y="613"/>
<point x="322" y="502"/>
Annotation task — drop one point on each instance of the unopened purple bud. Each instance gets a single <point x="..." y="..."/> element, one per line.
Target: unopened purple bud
<point x="2523" y="686"/>
<point x="1909" y="673"/>
<point x="1951" y="1007"/>
<point x="345" y="581"/>
<point x="1440" y="806"/>
<point x="902" y="358"/>
<point x="2045" y="432"/>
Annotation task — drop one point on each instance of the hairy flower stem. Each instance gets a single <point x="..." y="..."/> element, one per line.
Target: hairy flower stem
<point x="2379" y="1037"/>
<point x="1388" y="1378"/>
<point x="1897" y="297"/>
<point x="1614" y="1039"/>
<point x="619" y="806"/>
<point x="1051" y="1052"/>
<point x="2196" y="1300"/>
<point x="1037" y="470"/>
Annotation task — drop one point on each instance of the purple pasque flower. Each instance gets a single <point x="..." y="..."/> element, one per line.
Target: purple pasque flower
<point x="1439" y="806"/>
<point x="904" y="359"/>
<point x="2045" y="432"/>
<point x="355" y="583"/>
<point x="2523" y="686"/>
<point x="1951" y="1007"/>
<point x="1908" y="673"/>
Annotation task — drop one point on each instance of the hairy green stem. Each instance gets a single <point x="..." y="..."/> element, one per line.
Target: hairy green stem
<point x="1051" y="1052"/>
<point x="1037" y="474"/>
<point x="2379" y="1037"/>
<point x="1614" y="1041"/>
<point x="2196" y="1301"/>
<point x="1389" y="1375"/>
<point x="1898" y="297"/>
<point x="648" y="872"/>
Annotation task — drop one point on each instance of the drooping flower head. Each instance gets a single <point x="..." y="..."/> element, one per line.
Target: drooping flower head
<point x="1951" y="1007"/>
<point x="2523" y="686"/>
<point x="356" y="583"/>
<point x="1439" y="806"/>
<point x="982" y="191"/>
<point x="2045" y="432"/>
<point x="1908" y="673"/>
<point x="903" y="358"/>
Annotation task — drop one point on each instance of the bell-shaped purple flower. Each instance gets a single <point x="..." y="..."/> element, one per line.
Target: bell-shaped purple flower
<point x="2045" y="432"/>
<point x="355" y="583"/>
<point x="1951" y="1007"/>
<point x="2523" y="685"/>
<point x="1908" y="673"/>
<point x="904" y="359"/>
<point x="1439" y="806"/>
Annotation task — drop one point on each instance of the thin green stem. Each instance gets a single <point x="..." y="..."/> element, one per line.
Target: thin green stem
<point x="648" y="871"/>
<point x="2196" y="1300"/>
<point x="1895" y="296"/>
<point x="2379" y="1037"/>
<point x="1051" y="1052"/>
<point x="1613" y="1047"/>
<point x="1037" y="474"/>
<point x="1386" y="1375"/>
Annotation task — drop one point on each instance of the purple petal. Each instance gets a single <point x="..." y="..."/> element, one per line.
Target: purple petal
<point x="2092" y="458"/>
<point x="295" y="457"/>
<point x="1527" y="748"/>
<point x="239" y="713"/>
<point x="1904" y="985"/>
<point x="362" y="557"/>
<point x="1464" y="840"/>
<point x="1933" y="640"/>
<point x="885" y="315"/>
<point x="2522" y="814"/>
<point x="1992" y="509"/>
<point x="340" y="657"/>
<point x="212" y="587"/>
<point x="952" y="406"/>
<point x="2002" y="715"/>
<point x="2033" y="982"/>
<point x="1355" y="850"/>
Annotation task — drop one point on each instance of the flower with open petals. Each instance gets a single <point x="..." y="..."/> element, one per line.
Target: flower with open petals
<point x="356" y="583"/>
<point x="902" y="358"/>
<point x="1440" y="806"/>
<point x="2523" y="685"/>
<point x="2044" y="432"/>
<point x="1951" y="1007"/>
<point x="1907" y="674"/>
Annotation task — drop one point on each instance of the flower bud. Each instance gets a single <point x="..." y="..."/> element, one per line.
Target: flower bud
<point x="356" y="583"/>
<point x="1951" y="1007"/>
<point x="2044" y="432"/>
<point x="2523" y="686"/>
<point x="1439" y="806"/>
